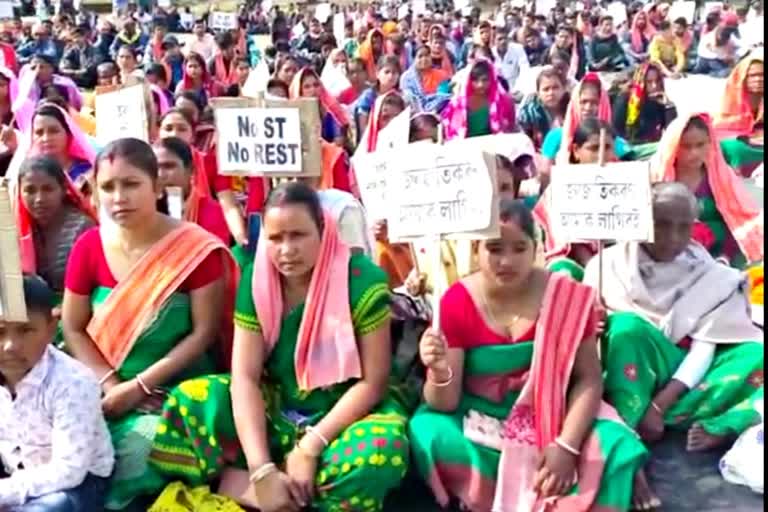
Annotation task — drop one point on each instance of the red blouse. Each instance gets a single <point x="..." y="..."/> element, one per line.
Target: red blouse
<point x="211" y="218"/>
<point x="87" y="268"/>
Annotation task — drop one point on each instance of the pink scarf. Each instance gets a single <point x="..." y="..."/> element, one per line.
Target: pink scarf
<point x="455" y="115"/>
<point x="371" y="135"/>
<point x="326" y="348"/>
<point x="741" y="214"/>
<point x="638" y="34"/>
<point x="537" y="418"/>
<point x="573" y="116"/>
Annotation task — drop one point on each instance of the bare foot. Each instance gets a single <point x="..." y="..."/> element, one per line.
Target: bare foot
<point x="644" y="498"/>
<point x="699" y="440"/>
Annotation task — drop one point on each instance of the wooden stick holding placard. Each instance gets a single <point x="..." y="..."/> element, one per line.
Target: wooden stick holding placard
<point x="600" y="244"/>
<point x="13" y="308"/>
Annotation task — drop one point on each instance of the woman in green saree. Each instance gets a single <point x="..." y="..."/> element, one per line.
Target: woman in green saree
<point x="308" y="389"/>
<point x="680" y="350"/>
<point x="485" y="378"/>
<point x="136" y="308"/>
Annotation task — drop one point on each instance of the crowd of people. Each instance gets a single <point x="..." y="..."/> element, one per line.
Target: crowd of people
<point x="266" y="345"/>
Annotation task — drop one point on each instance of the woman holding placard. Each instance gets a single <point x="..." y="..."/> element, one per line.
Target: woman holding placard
<point x="176" y="169"/>
<point x="514" y="376"/>
<point x="730" y="223"/>
<point x="309" y="382"/>
<point x="137" y="307"/>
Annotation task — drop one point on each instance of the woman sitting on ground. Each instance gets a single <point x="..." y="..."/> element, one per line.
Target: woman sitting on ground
<point x="308" y="390"/>
<point x="680" y="351"/>
<point x="642" y="114"/>
<point x="50" y="216"/>
<point x="137" y="307"/>
<point x="486" y="368"/>
<point x="730" y="222"/>
<point x="547" y="108"/>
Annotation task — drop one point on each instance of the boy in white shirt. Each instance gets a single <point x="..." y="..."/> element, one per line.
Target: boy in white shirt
<point x="55" y="448"/>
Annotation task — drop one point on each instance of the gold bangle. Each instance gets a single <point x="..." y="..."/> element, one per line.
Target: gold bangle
<point x="261" y="473"/>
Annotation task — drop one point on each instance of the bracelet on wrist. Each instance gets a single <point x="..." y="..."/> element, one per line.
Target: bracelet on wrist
<point x="106" y="377"/>
<point x="656" y="407"/>
<point x="143" y="385"/>
<point x="567" y="447"/>
<point x="262" y="472"/>
<point x="316" y="433"/>
<point x="443" y="384"/>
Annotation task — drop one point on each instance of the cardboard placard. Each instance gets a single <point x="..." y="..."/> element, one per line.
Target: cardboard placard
<point x="258" y="141"/>
<point x="12" y="305"/>
<point x="121" y="112"/>
<point x="618" y="11"/>
<point x="611" y="202"/>
<point x="311" y="134"/>
<point x="339" y="26"/>
<point x="223" y="20"/>
<point x="441" y="190"/>
<point x="175" y="199"/>
<point x="323" y="12"/>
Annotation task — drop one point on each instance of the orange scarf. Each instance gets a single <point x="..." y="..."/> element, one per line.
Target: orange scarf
<point x="326" y="348"/>
<point x="136" y="300"/>
<point x="742" y="216"/>
<point x="537" y="417"/>
<point x="25" y="224"/>
<point x="736" y="115"/>
<point x="367" y="56"/>
<point x="331" y="154"/>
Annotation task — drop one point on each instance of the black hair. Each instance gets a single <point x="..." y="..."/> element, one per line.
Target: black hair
<point x="46" y="165"/>
<point x="51" y="110"/>
<point x="180" y="111"/>
<point x="44" y="58"/>
<point x="276" y="83"/>
<point x="297" y="194"/>
<point x="551" y="73"/>
<point x="357" y="61"/>
<point x="603" y="19"/>
<point x="394" y="100"/>
<point x="681" y="21"/>
<point x="224" y="40"/>
<point x="517" y="211"/>
<point x="665" y="25"/>
<point x="422" y="119"/>
<point x="193" y="97"/>
<point x="38" y="296"/>
<point x="479" y="70"/>
<point x="134" y="151"/>
<point x="389" y="61"/>
<point x="179" y="148"/>
<point x="589" y="127"/>
<point x="129" y="49"/>
<point x="158" y="70"/>
<point x="698" y="123"/>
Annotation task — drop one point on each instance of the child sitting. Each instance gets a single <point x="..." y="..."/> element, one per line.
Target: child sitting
<point x="55" y="448"/>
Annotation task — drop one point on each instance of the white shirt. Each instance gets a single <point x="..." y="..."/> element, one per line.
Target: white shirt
<point x="206" y="47"/>
<point x="53" y="434"/>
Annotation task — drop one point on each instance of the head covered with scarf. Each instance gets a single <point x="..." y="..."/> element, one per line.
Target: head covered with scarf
<point x="574" y="117"/>
<point x="501" y="111"/>
<point x="327" y="101"/>
<point x="736" y="113"/>
<point x="741" y="214"/>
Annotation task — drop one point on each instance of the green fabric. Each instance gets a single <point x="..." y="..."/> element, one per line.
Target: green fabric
<point x="197" y="439"/>
<point x="740" y="154"/>
<point x="241" y="255"/>
<point x="132" y="435"/>
<point x="439" y="445"/>
<point x="479" y="122"/>
<point x="568" y="267"/>
<point x="638" y="360"/>
<point x="710" y="215"/>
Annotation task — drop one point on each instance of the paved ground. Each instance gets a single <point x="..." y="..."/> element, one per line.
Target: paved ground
<point x="686" y="483"/>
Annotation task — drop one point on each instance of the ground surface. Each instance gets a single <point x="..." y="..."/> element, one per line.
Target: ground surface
<point x="686" y="483"/>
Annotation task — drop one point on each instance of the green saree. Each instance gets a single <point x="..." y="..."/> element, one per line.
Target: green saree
<point x="132" y="434"/>
<point x="638" y="359"/>
<point x="494" y="376"/>
<point x="196" y="438"/>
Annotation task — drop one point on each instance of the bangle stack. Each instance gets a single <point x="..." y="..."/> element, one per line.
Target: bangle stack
<point x="445" y="384"/>
<point x="261" y="473"/>
<point x="143" y="385"/>
<point x="567" y="447"/>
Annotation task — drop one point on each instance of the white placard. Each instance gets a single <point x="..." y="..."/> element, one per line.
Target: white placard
<point x="256" y="141"/>
<point x="257" y="80"/>
<point x="419" y="7"/>
<point x="12" y="305"/>
<point x="334" y="79"/>
<point x="439" y="190"/>
<point x="121" y="113"/>
<point x="710" y="7"/>
<point x="223" y="20"/>
<point x="371" y="172"/>
<point x="396" y="133"/>
<point x="339" y="27"/>
<point x="618" y="11"/>
<point x="593" y="202"/>
<point x="6" y="9"/>
<point x="175" y="201"/>
<point x="459" y="5"/>
<point x="544" y="7"/>
<point x="164" y="3"/>
<point x="323" y="12"/>
<point x="526" y="81"/>
<point x="682" y="9"/>
<point x="403" y="11"/>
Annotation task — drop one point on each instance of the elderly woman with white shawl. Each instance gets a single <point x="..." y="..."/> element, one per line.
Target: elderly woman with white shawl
<point x="680" y="350"/>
